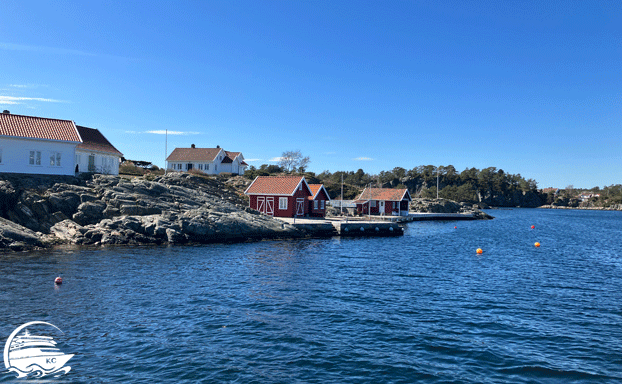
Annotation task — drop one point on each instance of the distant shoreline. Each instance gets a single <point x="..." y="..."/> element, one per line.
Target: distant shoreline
<point x="615" y="208"/>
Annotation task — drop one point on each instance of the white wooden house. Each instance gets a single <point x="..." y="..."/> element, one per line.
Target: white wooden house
<point x="46" y="146"/>
<point x="211" y="161"/>
<point x="37" y="145"/>
<point x="95" y="153"/>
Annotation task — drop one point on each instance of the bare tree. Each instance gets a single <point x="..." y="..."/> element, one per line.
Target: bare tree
<point x="292" y="160"/>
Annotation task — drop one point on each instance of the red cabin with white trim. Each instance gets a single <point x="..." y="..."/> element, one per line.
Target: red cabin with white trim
<point x="383" y="201"/>
<point x="318" y="201"/>
<point x="279" y="196"/>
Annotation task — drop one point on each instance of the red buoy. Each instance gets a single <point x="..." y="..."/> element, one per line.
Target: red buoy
<point x="58" y="280"/>
<point x="533" y="226"/>
<point x="455" y="227"/>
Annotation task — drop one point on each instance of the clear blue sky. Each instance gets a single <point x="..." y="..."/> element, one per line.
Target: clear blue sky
<point x="530" y="87"/>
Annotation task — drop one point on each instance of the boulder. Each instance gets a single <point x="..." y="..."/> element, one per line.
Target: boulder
<point x="90" y="212"/>
<point x="68" y="230"/>
<point x="17" y="237"/>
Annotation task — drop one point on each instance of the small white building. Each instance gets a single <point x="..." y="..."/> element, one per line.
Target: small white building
<point x="96" y="154"/>
<point x="37" y="145"/>
<point x="211" y="161"/>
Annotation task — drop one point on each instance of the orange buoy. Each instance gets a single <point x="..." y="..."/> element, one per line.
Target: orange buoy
<point x="479" y="251"/>
<point x="537" y="244"/>
<point x="533" y="226"/>
<point x="58" y="280"/>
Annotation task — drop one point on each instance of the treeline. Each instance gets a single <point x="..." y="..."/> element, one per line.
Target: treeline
<point x="490" y="185"/>
<point x="606" y="197"/>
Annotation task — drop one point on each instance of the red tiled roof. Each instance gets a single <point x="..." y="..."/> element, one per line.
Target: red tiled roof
<point x="274" y="185"/>
<point x="38" y="128"/>
<point x="93" y="140"/>
<point x="315" y="189"/>
<point x="193" y="154"/>
<point x="386" y="194"/>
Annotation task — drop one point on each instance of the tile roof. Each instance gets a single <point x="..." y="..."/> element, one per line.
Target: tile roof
<point x="193" y="154"/>
<point x="274" y="185"/>
<point x="38" y="128"/>
<point x="315" y="189"/>
<point x="386" y="194"/>
<point x="93" y="140"/>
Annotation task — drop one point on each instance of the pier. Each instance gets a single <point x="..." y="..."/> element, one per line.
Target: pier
<point x="362" y="226"/>
<point x="356" y="227"/>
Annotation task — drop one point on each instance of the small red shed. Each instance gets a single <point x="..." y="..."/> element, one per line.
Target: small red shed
<point x="383" y="201"/>
<point x="279" y="196"/>
<point x="318" y="201"/>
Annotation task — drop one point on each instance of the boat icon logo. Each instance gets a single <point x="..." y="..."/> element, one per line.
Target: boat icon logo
<point x="35" y="355"/>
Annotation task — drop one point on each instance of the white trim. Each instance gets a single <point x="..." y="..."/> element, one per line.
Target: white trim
<point x="283" y="207"/>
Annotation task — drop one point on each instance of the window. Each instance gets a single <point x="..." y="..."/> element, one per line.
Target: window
<point x="55" y="159"/>
<point x="282" y="202"/>
<point x="0" y="155"/>
<point x="394" y="205"/>
<point x="314" y="204"/>
<point x="35" y="158"/>
<point x="373" y="203"/>
<point x="215" y="167"/>
<point x="321" y="204"/>
<point x="207" y="167"/>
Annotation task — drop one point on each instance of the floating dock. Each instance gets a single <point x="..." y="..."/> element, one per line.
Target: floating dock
<point x="349" y="228"/>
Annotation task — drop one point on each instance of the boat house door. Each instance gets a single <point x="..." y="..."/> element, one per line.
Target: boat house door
<point x="270" y="206"/>
<point x="300" y="207"/>
<point x="381" y="207"/>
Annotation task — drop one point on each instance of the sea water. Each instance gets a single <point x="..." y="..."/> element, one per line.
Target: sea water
<point x="422" y="308"/>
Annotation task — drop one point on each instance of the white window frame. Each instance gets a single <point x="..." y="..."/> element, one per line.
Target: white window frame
<point x="55" y="158"/>
<point x="373" y="203"/>
<point x="283" y="203"/>
<point x="207" y="167"/>
<point x="35" y="156"/>
<point x="315" y="204"/>
<point x="322" y="204"/>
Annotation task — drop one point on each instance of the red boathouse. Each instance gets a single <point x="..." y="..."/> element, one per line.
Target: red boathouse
<point x="383" y="201"/>
<point x="318" y="201"/>
<point x="280" y="196"/>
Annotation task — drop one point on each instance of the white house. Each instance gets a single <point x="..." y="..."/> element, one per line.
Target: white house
<point x="207" y="160"/>
<point x="37" y="145"/>
<point x="95" y="153"/>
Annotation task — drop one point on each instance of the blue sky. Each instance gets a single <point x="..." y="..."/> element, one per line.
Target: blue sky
<point x="530" y="87"/>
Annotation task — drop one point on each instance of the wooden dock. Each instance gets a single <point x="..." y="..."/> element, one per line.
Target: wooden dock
<point x="349" y="228"/>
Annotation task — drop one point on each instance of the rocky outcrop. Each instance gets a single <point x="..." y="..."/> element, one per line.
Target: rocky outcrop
<point x="16" y="237"/>
<point x="176" y="208"/>
<point x="449" y="206"/>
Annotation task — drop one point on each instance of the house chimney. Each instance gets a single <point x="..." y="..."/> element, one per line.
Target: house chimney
<point x="6" y="111"/>
<point x="218" y="146"/>
<point x="192" y="146"/>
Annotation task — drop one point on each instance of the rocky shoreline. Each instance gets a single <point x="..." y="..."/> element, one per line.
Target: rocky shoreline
<point x="177" y="208"/>
<point x="616" y="207"/>
<point x="42" y="211"/>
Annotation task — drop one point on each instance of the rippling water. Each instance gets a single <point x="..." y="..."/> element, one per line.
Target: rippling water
<point x="420" y="308"/>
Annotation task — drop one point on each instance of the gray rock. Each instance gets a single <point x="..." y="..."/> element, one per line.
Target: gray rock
<point x="90" y="212"/>
<point x="68" y="230"/>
